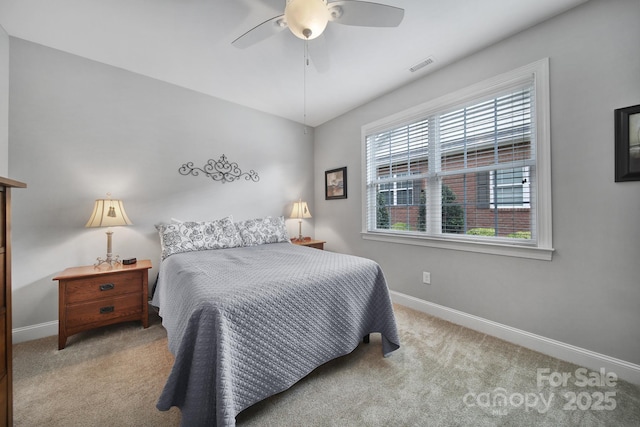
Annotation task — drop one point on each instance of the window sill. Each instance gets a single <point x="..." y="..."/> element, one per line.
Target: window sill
<point x="518" y="251"/>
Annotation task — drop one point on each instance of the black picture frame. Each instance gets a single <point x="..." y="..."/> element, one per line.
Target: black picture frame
<point x="627" y="150"/>
<point x="335" y="184"/>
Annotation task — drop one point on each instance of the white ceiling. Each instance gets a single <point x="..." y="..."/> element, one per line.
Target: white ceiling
<point x="188" y="43"/>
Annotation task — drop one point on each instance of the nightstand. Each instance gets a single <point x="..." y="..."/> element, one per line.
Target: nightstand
<point x="91" y="297"/>
<point x="318" y="244"/>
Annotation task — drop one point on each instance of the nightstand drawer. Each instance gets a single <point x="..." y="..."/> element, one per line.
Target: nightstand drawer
<point x="92" y="288"/>
<point x="317" y="245"/>
<point x="104" y="310"/>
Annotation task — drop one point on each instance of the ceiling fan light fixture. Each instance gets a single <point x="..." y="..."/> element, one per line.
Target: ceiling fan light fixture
<point x="306" y="19"/>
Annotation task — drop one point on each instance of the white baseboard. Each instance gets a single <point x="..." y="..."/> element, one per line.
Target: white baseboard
<point x="625" y="370"/>
<point x="34" y="332"/>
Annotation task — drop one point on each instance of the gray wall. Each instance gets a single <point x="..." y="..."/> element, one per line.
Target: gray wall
<point x="4" y="103"/>
<point x="80" y="129"/>
<point x="588" y="294"/>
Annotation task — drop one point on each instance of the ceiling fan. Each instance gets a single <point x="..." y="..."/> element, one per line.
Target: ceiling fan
<point x="307" y="19"/>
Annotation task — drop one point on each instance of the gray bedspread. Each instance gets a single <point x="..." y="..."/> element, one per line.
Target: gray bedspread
<point x="247" y="323"/>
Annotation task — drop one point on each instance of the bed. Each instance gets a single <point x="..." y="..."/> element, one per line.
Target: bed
<point x="250" y="319"/>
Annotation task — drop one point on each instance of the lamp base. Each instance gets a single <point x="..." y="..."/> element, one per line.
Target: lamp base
<point x="300" y="237"/>
<point x="111" y="261"/>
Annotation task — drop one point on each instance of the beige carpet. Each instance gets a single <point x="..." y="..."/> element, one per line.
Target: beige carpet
<point x="443" y="375"/>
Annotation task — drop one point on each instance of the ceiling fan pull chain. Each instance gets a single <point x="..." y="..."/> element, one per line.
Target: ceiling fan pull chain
<point x="304" y="83"/>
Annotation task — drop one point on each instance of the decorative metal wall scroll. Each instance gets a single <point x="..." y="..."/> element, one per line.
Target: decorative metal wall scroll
<point x="219" y="170"/>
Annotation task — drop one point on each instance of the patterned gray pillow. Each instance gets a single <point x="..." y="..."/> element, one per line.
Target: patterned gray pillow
<point x="172" y="241"/>
<point x="198" y="235"/>
<point x="263" y="230"/>
<point x="219" y="234"/>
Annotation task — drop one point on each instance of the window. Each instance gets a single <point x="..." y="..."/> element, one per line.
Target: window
<point x="510" y="188"/>
<point x="468" y="171"/>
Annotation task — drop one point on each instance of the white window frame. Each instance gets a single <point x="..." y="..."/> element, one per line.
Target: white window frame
<point x="541" y="200"/>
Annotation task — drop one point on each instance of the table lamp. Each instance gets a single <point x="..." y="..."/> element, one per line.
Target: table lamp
<point x="108" y="213"/>
<point x="300" y="210"/>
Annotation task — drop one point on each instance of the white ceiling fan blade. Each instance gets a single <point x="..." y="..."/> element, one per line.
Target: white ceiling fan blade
<point x="260" y="32"/>
<point x="365" y="14"/>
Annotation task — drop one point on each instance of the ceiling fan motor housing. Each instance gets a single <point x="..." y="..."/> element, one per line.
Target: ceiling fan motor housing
<point x="307" y="19"/>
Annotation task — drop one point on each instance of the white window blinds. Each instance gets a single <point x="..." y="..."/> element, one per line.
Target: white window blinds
<point x="467" y="171"/>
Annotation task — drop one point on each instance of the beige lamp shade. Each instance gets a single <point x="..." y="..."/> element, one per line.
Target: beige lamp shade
<point x="108" y="213"/>
<point x="300" y="210"/>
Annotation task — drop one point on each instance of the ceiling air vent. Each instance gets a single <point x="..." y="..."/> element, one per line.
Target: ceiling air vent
<point x="422" y="64"/>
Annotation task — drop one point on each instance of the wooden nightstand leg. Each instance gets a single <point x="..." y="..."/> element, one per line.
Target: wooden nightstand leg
<point x="62" y="318"/>
<point x="145" y="299"/>
<point x="62" y="341"/>
<point x="145" y="318"/>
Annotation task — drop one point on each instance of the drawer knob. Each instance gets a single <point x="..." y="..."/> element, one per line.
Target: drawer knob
<point x="107" y="287"/>
<point x="107" y="309"/>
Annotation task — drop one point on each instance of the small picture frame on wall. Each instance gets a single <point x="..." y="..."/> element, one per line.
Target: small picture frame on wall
<point x="627" y="152"/>
<point x="335" y="184"/>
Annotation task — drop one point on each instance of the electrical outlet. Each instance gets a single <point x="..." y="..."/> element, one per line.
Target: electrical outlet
<point x="426" y="277"/>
